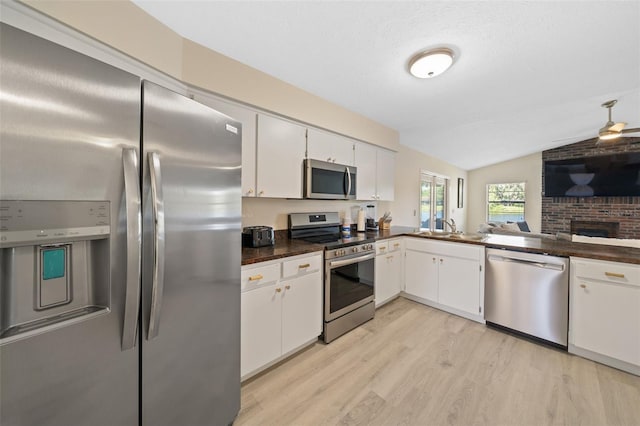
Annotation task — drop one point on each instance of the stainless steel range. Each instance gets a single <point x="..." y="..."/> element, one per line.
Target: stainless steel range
<point x="348" y="273"/>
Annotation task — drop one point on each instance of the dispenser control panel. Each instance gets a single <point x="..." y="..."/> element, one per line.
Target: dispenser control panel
<point x="40" y="222"/>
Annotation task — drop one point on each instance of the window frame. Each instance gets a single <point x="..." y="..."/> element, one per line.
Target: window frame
<point x="434" y="179"/>
<point x="524" y="202"/>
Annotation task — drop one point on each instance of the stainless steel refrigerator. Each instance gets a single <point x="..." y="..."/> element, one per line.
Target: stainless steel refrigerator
<point x="119" y="246"/>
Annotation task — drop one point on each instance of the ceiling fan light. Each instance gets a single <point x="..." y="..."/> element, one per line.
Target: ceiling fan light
<point x="608" y="135"/>
<point x="431" y="63"/>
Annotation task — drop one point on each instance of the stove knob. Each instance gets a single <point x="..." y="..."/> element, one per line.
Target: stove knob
<point x="343" y="252"/>
<point x="355" y="249"/>
<point x="336" y="253"/>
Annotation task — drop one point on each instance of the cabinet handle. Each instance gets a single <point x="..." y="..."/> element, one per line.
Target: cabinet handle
<point x="288" y="287"/>
<point x="614" y="275"/>
<point x="396" y="245"/>
<point x="382" y="248"/>
<point x="583" y="286"/>
<point x="249" y="192"/>
<point x="304" y="265"/>
<point x="441" y="260"/>
<point x="434" y="260"/>
<point x="260" y="193"/>
<point x="255" y="277"/>
<point x="329" y="160"/>
<point x="389" y="257"/>
<point x="278" y="290"/>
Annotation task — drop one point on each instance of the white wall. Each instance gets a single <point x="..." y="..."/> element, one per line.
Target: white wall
<point x="524" y="169"/>
<point x="409" y="163"/>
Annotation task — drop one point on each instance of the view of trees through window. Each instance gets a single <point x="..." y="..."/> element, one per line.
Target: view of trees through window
<point x="505" y="202"/>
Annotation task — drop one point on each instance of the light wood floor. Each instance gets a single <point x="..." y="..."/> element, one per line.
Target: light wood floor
<point x="415" y="365"/>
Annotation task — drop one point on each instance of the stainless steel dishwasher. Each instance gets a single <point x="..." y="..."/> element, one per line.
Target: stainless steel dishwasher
<point x="528" y="293"/>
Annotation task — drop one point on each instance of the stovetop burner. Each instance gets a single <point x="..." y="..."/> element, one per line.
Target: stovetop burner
<point x="323" y="228"/>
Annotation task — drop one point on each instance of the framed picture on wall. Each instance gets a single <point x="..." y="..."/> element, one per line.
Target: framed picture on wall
<point x="460" y="192"/>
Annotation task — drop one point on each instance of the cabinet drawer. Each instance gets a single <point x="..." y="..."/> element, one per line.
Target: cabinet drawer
<point x="301" y="265"/>
<point x="611" y="272"/>
<point x="394" y="245"/>
<point x="259" y="276"/>
<point x="382" y="247"/>
<point x="445" y="248"/>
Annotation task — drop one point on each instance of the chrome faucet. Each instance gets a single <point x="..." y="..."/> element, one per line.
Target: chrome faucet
<point x="452" y="225"/>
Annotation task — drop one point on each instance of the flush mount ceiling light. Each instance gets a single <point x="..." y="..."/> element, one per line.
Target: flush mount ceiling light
<point x="431" y="63"/>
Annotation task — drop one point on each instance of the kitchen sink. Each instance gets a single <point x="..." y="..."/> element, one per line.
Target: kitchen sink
<point x="449" y="235"/>
<point x="471" y="237"/>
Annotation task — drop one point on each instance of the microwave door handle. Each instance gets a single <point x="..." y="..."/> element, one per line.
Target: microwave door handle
<point x="348" y="180"/>
<point x="134" y="233"/>
<point x="157" y="287"/>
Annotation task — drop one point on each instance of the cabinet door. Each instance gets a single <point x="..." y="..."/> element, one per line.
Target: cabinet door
<point x="329" y="147"/>
<point x="388" y="274"/>
<point x="459" y="284"/>
<point x="385" y="174"/>
<point x="248" y="119"/>
<point x="260" y="328"/>
<point x="605" y="318"/>
<point x="365" y="160"/>
<point x="421" y="274"/>
<point x="301" y="310"/>
<point x="280" y="153"/>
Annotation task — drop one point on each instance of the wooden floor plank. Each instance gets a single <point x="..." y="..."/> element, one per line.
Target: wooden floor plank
<point x="416" y="365"/>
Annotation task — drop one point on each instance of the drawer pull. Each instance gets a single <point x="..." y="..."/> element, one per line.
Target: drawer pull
<point x="278" y="290"/>
<point x="583" y="286"/>
<point x="614" y="275"/>
<point x="382" y="248"/>
<point x="396" y="245"/>
<point x="288" y="287"/>
<point x="304" y="265"/>
<point x="255" y="277"/>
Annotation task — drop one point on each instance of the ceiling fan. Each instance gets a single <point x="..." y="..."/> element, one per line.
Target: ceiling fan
<point x="611" y="130"/>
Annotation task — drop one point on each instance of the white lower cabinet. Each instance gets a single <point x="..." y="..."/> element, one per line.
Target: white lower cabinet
<point x="388" y="270"/>
<point x="448" y="276"/>
<point x="281" y="310"/>
<point x="604" y="314"/>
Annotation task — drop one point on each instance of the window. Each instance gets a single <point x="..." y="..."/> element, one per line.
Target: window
<point x="505" y="202"/>
<point x="433" y="201"/>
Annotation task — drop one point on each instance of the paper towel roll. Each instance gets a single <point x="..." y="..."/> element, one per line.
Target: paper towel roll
<point x="361" y="227"/>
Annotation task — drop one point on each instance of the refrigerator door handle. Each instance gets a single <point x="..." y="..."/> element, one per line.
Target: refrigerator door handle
<point x="134" y="235"/>
<point x="158" y="244"/>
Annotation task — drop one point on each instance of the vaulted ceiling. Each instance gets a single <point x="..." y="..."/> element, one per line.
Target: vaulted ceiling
<point x="528" y="75"/>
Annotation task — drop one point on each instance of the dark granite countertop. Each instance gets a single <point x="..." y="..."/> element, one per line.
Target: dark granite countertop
<point x="285" y="247"/>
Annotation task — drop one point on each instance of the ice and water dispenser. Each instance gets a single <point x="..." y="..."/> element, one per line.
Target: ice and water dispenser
<point x="54" y="264"/>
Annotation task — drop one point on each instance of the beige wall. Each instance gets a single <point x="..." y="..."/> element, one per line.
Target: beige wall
<point x="273" y="211"/>
<point x="123" y="26"/>
<point x="409" y="163"/>
<point x="524" y="169"/>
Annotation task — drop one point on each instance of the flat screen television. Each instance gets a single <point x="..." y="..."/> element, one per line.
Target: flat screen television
<point x="613" y="175"/>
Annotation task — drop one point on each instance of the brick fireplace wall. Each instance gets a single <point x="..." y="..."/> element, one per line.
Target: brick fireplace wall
<point x="557" y="212"/>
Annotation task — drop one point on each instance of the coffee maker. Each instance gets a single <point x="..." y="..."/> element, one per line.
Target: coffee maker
<point x="371" y="221"/>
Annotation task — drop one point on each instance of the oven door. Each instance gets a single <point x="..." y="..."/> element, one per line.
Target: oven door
<point x="348" y="284"/>
<point x="329" y="181"/>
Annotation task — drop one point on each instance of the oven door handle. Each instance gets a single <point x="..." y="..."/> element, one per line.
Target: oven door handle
<point x="338" y="263"/>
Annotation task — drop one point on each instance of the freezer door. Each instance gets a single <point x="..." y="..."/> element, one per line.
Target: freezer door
<point x="66" y="120"/>
<point x="191" y="262"/>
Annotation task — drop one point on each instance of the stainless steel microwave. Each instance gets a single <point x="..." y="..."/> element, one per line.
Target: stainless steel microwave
<point x="329" y="181"/>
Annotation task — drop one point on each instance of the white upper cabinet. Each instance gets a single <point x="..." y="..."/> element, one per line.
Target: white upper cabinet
<point x="385" y="174"/>
<point x="248" y="119"/>
<point x="329" y="147"/>
<point x="280" y="153"/>
<point x="365" y="159"/>
<point x="376" y="172"/>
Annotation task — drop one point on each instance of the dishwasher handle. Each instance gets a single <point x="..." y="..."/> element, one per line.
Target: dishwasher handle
<point x="543" y="265"/>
